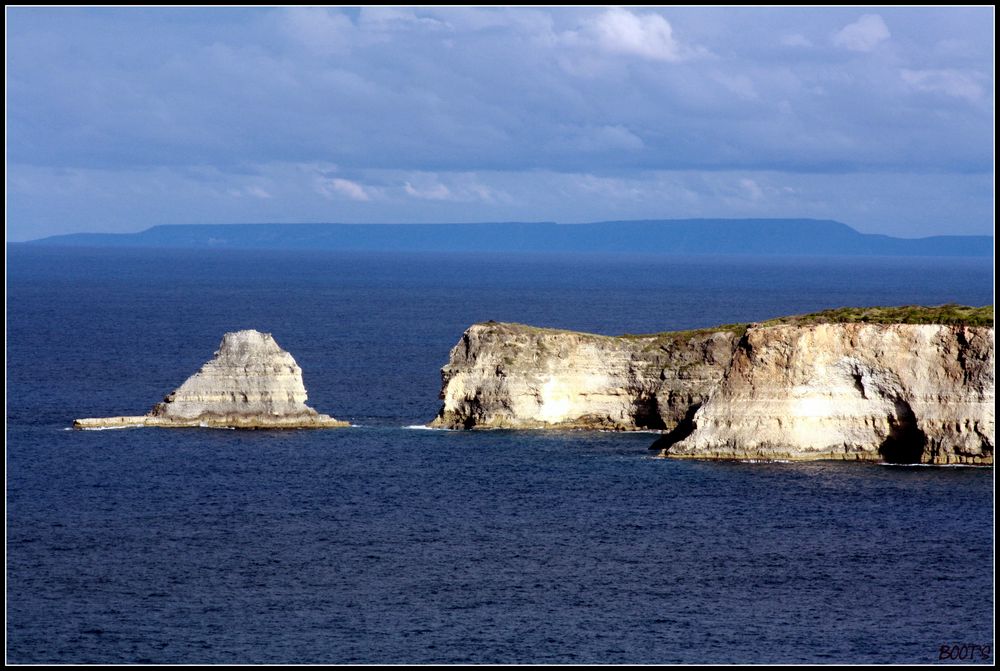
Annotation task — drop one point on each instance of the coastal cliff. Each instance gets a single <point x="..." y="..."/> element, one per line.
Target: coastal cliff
<point x="514" y="376"/>
<point x="903" y="393"/>
<point x="250" y="383"/>
<point x="826" y="386"/>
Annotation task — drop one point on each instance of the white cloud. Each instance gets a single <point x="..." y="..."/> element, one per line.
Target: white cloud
<point x="460" y="188"/>
<point x="949" y="82"/>
<point x="863" y="35"/>
<point x="648" y="36"/>
<point x="436" y="191"/>
<point x="605" y="187"/>
<point x="345" y="188"/>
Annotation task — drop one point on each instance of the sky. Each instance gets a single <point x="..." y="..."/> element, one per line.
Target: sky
<point x="122" y="119"/>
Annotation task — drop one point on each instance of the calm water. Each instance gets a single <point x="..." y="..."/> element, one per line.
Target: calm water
<point x="386" y="544"/>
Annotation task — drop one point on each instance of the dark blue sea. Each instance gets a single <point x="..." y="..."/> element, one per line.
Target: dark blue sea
<point x="383" y="543"/>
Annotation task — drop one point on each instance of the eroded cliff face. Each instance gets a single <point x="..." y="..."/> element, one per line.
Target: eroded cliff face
<point x="897" y="393"/>
<point x="522" y="377"/>
<point x="878" y="392"/>
<point x="250" y="383"/>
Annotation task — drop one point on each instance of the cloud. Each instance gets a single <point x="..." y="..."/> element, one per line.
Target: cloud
<point x="434" y="191"/>
<point x="611" y="188"/>
<point x="949" y="82"/>
<point x="345" y="188"/>
<point x="460" y="188"/>
<point x="438" y="113"/>
<point x="648" y="36"/>
<point x="863" y="35"/>
<point x="483" y="89"/>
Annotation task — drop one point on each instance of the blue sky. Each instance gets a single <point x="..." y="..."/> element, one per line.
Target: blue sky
<point x="120" y="119"/>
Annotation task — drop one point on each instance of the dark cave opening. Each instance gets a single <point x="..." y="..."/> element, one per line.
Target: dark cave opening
<point x="906" y="442"/>
<point x="684" y="428"/>
<point x="647" y="413"/>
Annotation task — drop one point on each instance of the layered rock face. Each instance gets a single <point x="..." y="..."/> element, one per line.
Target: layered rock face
<point x="250" y="383"/>
<point x="522" y="377"/>
<point x="901" y="393"/>
<point x="904" y="393"/>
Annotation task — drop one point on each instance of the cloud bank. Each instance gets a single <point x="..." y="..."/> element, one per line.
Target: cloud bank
<point x="122" y="118"/>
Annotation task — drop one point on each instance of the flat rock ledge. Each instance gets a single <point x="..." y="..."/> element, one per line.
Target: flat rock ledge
<point x="230" y="422"/>
<point x="250" y="383"/>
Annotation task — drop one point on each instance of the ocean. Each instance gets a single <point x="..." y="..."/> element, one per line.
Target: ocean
<point x="389" y="543"/>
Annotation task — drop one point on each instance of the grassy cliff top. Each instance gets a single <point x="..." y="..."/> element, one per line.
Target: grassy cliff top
<point x="950" y="314"/>
<point x="738" y="329"/>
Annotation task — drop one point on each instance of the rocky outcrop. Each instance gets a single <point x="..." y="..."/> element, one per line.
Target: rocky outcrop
<point x="521" y="377"/>
<point x="910" y="393"/>
<point x="905" y="393"/>
<point x="251" y="383"/>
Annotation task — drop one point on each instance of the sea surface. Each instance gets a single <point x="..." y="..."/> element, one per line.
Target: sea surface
<point x="389" y="543"/>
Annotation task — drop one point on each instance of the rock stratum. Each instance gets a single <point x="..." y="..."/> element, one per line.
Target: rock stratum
<point x="792" y="389"/>
<point x="250" y="383"/>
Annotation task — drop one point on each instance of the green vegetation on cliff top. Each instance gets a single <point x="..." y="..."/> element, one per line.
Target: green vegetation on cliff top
<point x="950" y="314"/>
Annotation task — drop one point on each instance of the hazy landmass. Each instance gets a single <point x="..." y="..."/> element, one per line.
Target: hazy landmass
<point x="677" y="236"/>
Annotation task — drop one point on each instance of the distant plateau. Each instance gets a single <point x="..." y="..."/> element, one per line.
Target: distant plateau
<point x="807" y="237"/>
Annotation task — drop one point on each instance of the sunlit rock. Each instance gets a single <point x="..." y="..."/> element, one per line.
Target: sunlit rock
<point x="251" y="383"/>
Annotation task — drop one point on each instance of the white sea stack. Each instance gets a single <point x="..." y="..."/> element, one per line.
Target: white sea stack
<point x="250" y="383"/>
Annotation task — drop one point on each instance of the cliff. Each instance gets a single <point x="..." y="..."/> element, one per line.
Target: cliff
<point x="250" y="383"/>
<point x="826" y="386"/>
<point x="521" y="377"/>
<point x="905" y="393"/>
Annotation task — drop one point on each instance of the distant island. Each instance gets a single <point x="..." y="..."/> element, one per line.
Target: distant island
<point x="808" y="237"/>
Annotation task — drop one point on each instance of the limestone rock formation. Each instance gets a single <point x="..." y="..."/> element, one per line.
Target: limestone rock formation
<point x="522" y="377"/>
<point x="911" y="393"/>
<point x="905" y="393"/>
<point x="250" y="383"/>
